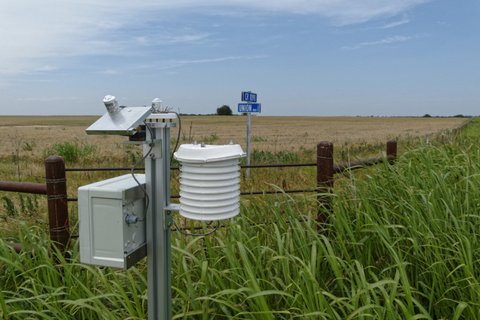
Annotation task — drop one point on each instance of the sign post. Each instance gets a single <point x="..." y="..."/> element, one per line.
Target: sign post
<point x="250" y="106"/>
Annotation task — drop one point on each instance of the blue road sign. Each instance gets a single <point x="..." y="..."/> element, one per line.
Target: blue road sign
<point x="249" y="96"/>
<point x="250" y="107"/>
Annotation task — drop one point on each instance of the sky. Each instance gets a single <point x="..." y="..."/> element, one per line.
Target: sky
<point x="301" y="57"/>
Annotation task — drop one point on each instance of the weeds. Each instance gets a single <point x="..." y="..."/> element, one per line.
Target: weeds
<point x="71" y="152"/>
<point x="259" y="139"/>
<point x="188" y="138"/>
<point x="213" y="137"/>
<point x="27" y="205"/>
<point x="28" y="146"/>
<point x="133" y="154"/>
<point x="274" y="157"/>
<point x="9" y="206"/>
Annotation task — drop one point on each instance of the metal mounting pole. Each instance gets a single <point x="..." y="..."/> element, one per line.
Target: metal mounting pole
<point x="157" y="173"/>
<point x="249" y="122"/>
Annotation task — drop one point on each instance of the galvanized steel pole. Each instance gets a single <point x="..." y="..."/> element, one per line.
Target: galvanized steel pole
<point x="249" y="123"/>
<point x="157" y="174"/>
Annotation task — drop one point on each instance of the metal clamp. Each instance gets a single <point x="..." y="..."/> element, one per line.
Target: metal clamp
<point x="173" y="207"/>
<point x="168" y="222"/>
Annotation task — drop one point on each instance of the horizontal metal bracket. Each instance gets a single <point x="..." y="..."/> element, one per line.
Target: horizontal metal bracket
<point x="173" y="207"/>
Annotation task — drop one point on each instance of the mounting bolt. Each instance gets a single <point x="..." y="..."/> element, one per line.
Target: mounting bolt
<point x="131" y="219"/>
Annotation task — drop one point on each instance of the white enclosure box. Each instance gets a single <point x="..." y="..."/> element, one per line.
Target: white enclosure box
<point x="112" y="222"/>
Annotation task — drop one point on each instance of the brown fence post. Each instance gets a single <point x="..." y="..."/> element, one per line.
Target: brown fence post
<point x="324" y="179"/>
<point x="392" y="151"/>
<point x="57" y="201"/>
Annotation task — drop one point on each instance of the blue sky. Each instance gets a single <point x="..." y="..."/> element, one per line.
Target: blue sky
<point x="317" y="57"/>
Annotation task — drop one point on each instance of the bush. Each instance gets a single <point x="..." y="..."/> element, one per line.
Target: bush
<point x="71" y="152"/>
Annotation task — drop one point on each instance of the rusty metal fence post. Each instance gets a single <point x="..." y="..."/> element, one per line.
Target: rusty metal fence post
<point x="57" y="201"/>
<point x="391" y="151"/>
<point x="324" y="180"/>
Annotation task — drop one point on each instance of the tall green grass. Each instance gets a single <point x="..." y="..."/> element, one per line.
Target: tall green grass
<point x="72" y="152"/>
<point x="402" y="243"/>
<point x="40" y="283"/>
<point x="418" y="220"/>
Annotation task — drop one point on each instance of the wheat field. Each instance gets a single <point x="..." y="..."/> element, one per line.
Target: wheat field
<point x="29" y="136"/>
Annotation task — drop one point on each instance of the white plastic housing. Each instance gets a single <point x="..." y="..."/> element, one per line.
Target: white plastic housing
<point x="106" y="239"/>
<point x="111" y="103"/>
<point x="209" y="181"/>
<point x="157" y="105"/>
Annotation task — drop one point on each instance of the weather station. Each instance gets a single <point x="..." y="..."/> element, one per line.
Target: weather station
<point x="126" y="218"/>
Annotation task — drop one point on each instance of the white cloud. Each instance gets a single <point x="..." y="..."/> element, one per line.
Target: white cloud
<point x="109" y="72"/>
<point x="170" y="37"/>
<point x="47" y="99"/>
<point x="178" y="63"/>
<point x="395" y="24"/>
<point x="34" y="33"/>
<point x="45" y="68"/>
<point x="384" y="41"/>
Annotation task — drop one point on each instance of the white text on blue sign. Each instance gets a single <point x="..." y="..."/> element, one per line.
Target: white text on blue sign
<point x="249" y="107"/>
<point x="249" y="96"/>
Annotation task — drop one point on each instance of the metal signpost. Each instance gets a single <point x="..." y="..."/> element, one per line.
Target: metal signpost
<point x="250" y="106"/>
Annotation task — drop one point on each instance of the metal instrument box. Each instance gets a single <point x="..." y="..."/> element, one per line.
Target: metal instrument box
<point x="112" y="222"/>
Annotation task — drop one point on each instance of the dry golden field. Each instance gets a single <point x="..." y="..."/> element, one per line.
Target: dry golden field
<point x="20" y="134"/>
<point x="26" y="141"/>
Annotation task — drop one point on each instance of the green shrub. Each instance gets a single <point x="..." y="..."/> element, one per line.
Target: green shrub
<point x="71" y="151"/>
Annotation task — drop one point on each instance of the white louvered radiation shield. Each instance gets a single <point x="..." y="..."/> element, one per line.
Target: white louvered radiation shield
<point x="209" y="181"/>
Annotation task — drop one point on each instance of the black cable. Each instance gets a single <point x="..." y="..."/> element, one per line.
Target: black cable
<point x="178" y="135"/>
<point x="132" y="171"/>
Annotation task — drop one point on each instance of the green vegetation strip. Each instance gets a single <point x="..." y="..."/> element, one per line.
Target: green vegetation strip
<point x="403" y="243"/>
